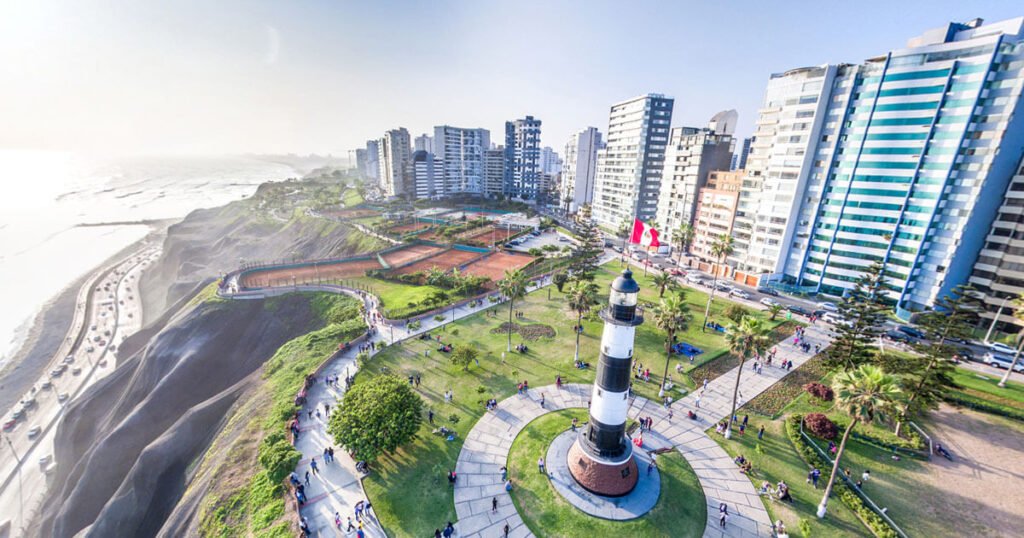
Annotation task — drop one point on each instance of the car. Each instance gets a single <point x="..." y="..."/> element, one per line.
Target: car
<point x="768" y="291"/>
<point x="896" y="336"/>
<point x="1000" y="362"/>
<point x="34" y="432"/>
<point x="659" y="266"/>
<point x="694" y="278"/>
<point x="62" y="397"/>
<point x="45" y="460"/>
<point x="675" y="272"/>
<point x="736" y="292"/>
<point x="1000" y="347"/>
<point x="76" y="370"/>
<point x="69" y="359"/>
<point x="828" y="306"/>
<point x="722" y="286"/>
<point x="913" y="332"/>
<point x="797" y="309"/>
<point x="28" y="403"/>
<point x="10" y="423"/>
<point x="956" y="340"/>
<point x="965" y="354"/>
<point x="769" y="302"/>
<point x="46" y="385"/>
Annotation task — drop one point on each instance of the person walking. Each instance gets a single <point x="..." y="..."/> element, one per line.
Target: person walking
<point x="494" y="505"/>
<point x="540" y="464"/>
<point x="760" y="433"/>
<point x="542" y="400"/>
<point x="723" y="514"/>
<point x="430" y="416"/>
<point x="313" y="466"/>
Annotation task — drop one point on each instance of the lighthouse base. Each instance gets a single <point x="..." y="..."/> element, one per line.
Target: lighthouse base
<point x="608" y="479"/>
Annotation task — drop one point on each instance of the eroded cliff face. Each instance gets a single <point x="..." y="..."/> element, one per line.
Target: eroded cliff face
<point x="125" y="447"/>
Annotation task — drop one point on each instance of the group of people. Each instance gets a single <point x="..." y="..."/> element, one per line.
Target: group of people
<point x="448" y="531"/>
<point x="646" y="423"/>
<point x="522" y="348"/>
<point x="414" y="380"/>
<point x="643" y="374"/>
<point x="745" y="465"/>
<point x="521" y="388"/>
<point x="492" y="404"/>
<point x="580" y="365"/>
<point x="780" y="491"/>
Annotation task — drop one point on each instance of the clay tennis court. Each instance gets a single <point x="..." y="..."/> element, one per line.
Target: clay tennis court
<point x="444" y="261"/>
<point x="493" y="266"/>
<point x="411" y="227"/>
<point x="308" y="274"/>
<point x="405" y="255"/>
<point x="483" y="235"/>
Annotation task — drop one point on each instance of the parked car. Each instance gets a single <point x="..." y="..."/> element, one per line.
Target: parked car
<point x="736" y="292"/>
<point x="694" y="278"/>
<point x="828" y="307"/>
<point x="797" y="309"/>
<point x="1000" y="347"/>
<point x="896" y="336"/>
<point x="675" y="272"/>
<point x="722" y="286"/>
<point x="46" y="385"/>
<point x="10" y="423"/>
<point x="769" y="302"/>
<point x="45" y="460"/>
<point x="912" y="332"/>
<point x="34" y="432"/>
<point x="965" y="354"/>
<point x="768" y="291"/>
<point x="69" y="359"/>
<point x="62" y="397"/>
<point x="1000" y="362"/>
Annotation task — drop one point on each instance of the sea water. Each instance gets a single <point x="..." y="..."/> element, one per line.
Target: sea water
<point x="47" y="197"/>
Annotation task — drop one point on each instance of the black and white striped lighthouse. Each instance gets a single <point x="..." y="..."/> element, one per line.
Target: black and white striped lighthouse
<point x="602" y="458"/>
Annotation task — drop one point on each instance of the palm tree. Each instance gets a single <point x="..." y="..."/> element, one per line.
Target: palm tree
<point x="745" y="340"/>
<point x="721" y="248"/>
<point x="684" y="237"/>
<point x="624" y="230"/>
<point x="774" y="310"/>
<point x="582" y="295"/>
<point x="1018" y="312"/>
<point x="865" y="394"/>
<point x="672" y="315"/>
<point x="662" y="280"/>
<point x="513" y="287"/>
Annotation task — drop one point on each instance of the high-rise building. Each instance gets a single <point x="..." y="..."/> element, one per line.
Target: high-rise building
<point x="780" y="157"/>
<point x="550" y="161"/>
<point x="423" y="142"/>
<point x="462" y="152"/>
<point x="579" y="167"/>
<point x="628" y="175"/>
<point x="691" y="154"/>
<point x="522" y="158"/>
<point x="494" y="172"/>
<point x="361" y="161"/>
<point x="427" y="175"/>
<point x="724" y="122"/>
<point x="739" y="156"/>
<point x="999" y="271"/>
<point x="716" y="211"/>
<point x="395" y="151"/>
<point x="903" y="159"/>
<point x="372" y="171"/>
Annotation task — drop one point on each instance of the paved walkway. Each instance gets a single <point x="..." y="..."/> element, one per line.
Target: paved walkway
<point x="487" y="445"/>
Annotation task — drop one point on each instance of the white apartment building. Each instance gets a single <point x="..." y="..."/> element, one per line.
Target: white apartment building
<point x="579" y="168"/>
<point x="629" y="169"/>
<point x="692" y="153"/>
<point x="395" y="151"/>
<point x="494" y="172"/>
<point x="427" y="175"/>
<point x="461" y="152"/>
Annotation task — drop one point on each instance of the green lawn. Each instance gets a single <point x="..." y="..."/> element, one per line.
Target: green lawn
<point x="779" y="460"/>
<point x="408" y="488"/>
<point x="351" y="198"/>
<point x="397" y="296"/>
<point x="680" y="511"/>
<point x="984" y="386"/>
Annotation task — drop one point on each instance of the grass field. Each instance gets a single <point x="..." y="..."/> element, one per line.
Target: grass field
<point x="351" y="198"/>
<point x="680" y="511"/>
<point x="397" y="296"/>
<point x="984" y="386"/>
<point x="408" y="488"/>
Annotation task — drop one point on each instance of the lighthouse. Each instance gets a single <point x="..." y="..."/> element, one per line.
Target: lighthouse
<point x="601" y="459"/>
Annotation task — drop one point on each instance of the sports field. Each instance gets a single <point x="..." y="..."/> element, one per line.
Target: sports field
<point x="308" y="274"/>
<point x="445" y="261"/>
<point x="493" y="266"/>
<point x="407" y="254"/>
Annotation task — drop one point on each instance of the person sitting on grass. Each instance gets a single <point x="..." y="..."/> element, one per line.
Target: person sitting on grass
<point x="451" y="478"/>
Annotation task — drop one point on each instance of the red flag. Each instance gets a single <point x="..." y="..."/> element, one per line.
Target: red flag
<point x="644" y="235"/>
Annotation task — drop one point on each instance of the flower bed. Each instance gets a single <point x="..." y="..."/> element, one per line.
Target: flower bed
<point x="771" y="402"/>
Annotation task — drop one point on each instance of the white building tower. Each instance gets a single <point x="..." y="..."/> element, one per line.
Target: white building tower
<point x="601" y="460"/>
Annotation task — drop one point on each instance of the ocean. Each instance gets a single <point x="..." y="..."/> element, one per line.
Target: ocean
<point x="48" y="197"/>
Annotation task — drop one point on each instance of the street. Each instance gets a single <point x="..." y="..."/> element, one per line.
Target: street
<point x="89" y="354"/>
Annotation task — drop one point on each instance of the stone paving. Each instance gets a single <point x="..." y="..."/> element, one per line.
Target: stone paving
<point x="487" y="445"/>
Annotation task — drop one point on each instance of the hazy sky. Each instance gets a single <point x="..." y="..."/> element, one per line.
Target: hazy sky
<point x="223" y="76"/>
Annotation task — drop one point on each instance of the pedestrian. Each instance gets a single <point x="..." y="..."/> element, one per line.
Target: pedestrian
<point x="350" y="527"/>
<point x="745" y="419"/>
<point x="705" y="383"/>
<point x="507" y="529"/>
<point x="540" y="464"/>
<point x="542" y="400"/>
<point x="815" y="475"/>
<point x="575" y="421"/>
<point x="337" y="520"/>
<point x="430" y="416"/>
<point x="417" y="380"/>
<point x="330" y="450"/>
<point x="696" y="402"/>
<point x="307" y="478"/>
<point x="723" y="514"/>
<point x="304" y="526"/>
<point x="367" y="507"/>
<point x="359" y="511"/>
<point x="313" y="466"/>
<point x="670" y="416"/>
<point x="650" y="467"/>
<point x="866" y="476"/>
<point x="760" y="433"/>
<point x="494" y="505"/>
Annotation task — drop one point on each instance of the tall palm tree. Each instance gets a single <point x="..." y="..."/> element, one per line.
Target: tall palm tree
<point x="662" y="280"/>
<point x="672" y="315"/>
<point x="721" y="248"/>
<point x="582" y="295"/>
<point x="623" y="231"/>
<point x="866" y="394"/>
<point x="745" y="340"/>
<point x="1018" y="312"/>
<point x="684" y="237"/>
<point x="513" y="287"/>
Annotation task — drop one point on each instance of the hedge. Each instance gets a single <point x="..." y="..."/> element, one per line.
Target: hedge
<point x="980" y="404"/>
<point x="878" y="526"/>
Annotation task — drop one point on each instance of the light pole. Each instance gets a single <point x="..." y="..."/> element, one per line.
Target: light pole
<point x="21" y="500"/>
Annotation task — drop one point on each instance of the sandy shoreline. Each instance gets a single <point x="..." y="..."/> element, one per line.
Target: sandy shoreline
<point x="50" y="327"/>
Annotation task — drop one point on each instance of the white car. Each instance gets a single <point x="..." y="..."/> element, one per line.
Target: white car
<point x="694" y="278"/>
<point x="62" y="397"/>
<point x="1000" y="362"/>
<point x="769" y="302"/>
<point x="34" y="432"/>
<point x="736" y="292"/>
<point x="828" y="307"/>
<point x="1000" y="347"/>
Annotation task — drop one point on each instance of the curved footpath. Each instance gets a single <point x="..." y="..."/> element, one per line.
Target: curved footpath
<point x="486" y="448"/>
<point x="337" y="487"/>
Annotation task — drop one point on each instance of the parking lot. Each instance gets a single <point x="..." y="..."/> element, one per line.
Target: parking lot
<point x="540" y="241"/>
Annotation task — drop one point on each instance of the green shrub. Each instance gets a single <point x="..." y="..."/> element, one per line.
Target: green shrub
<point x="980" y="404"/>
<point x="277" y="456"/>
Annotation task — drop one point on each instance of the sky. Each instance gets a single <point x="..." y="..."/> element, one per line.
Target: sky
<point x="200" y="77"/>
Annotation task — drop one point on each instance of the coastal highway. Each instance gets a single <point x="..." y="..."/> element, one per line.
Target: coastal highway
<point x="108" y="310"/>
